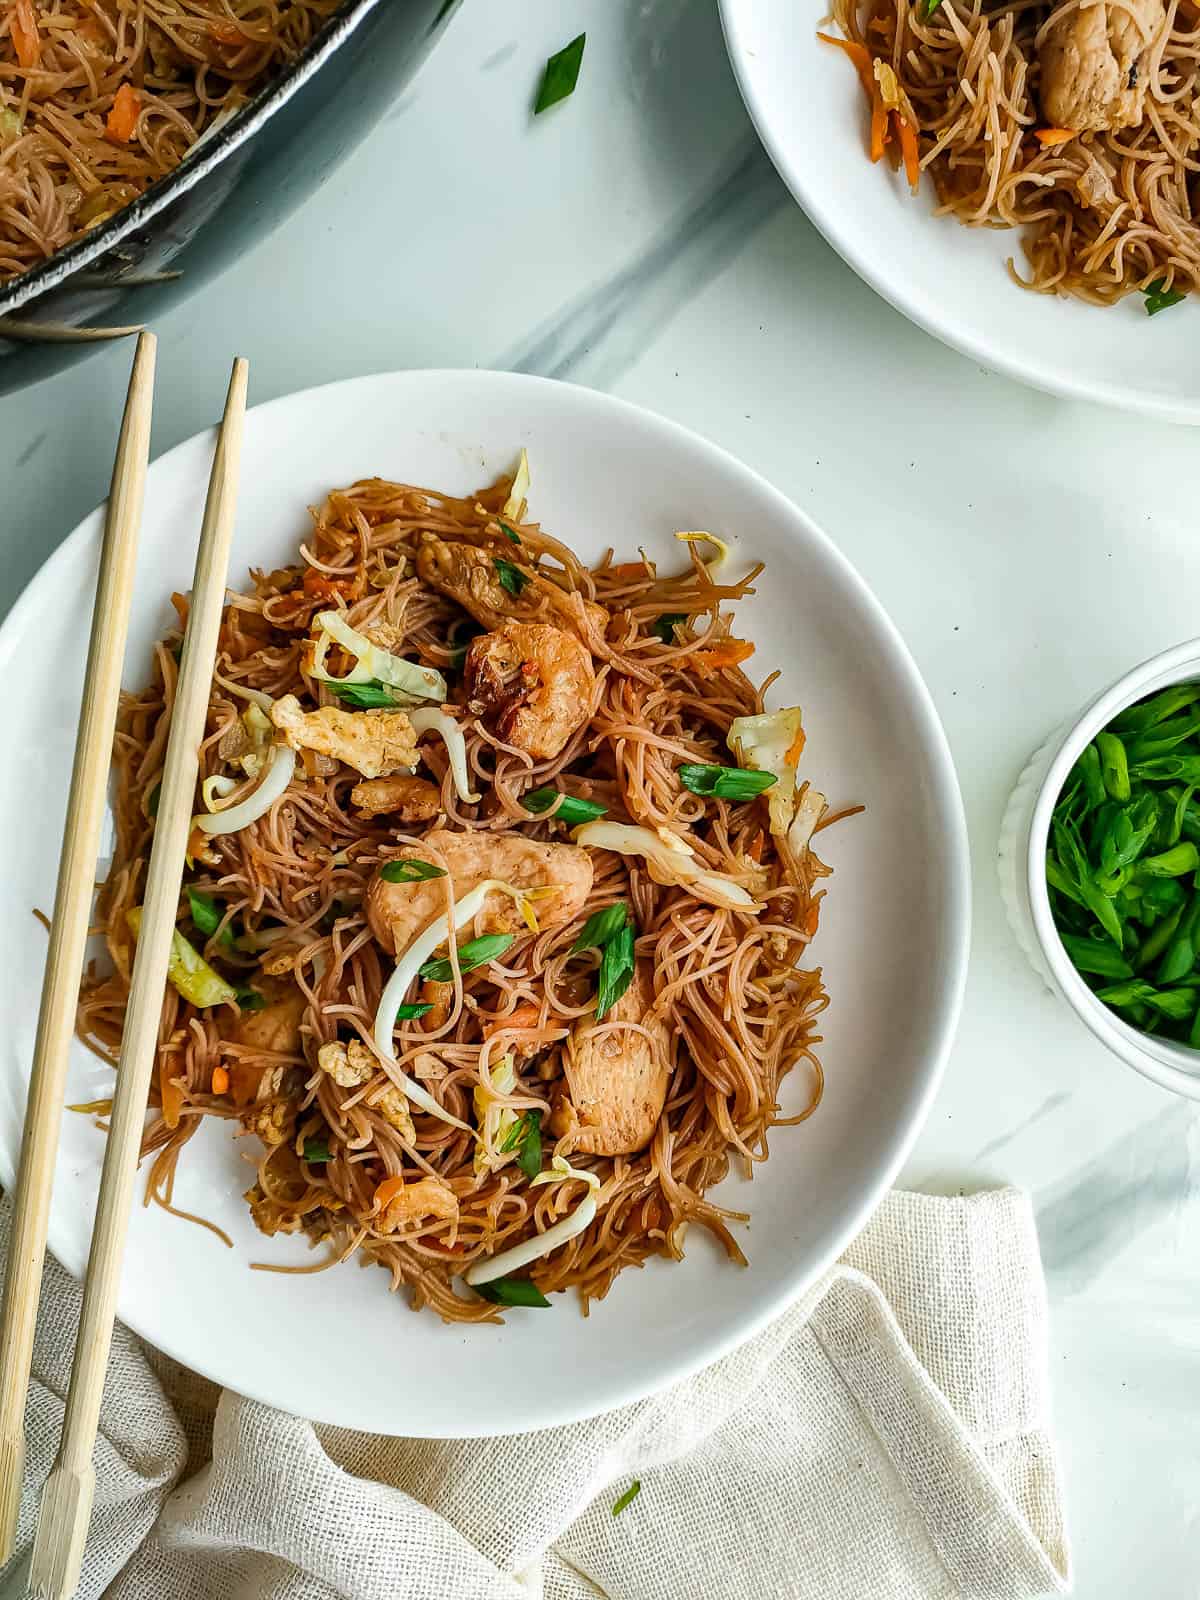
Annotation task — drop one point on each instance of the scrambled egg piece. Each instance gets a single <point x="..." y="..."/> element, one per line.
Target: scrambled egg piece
<point x="352" y="1065"/>
<point x="374" y="743"/>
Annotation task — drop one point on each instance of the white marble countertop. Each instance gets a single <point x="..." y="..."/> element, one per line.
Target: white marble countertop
<point x="638" y="240"/>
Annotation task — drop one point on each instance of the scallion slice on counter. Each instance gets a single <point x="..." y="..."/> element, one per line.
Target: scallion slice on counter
<point x="475" y="953"/>
<point x="561" y="75"/>
<point x="627" y="1499"/>
<point x="724" y="783"/>
<point x="572" y="811"/>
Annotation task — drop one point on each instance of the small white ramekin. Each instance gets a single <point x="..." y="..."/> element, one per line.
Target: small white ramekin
<point x="1022" y="864"/>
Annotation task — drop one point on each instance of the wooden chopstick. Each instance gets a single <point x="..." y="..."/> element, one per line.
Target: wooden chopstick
<point x="66" y="1506"/>
<point x="68" y="931"/>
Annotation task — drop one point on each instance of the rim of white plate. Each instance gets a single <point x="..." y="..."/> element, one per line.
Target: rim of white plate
<point x="789" y="1285"/>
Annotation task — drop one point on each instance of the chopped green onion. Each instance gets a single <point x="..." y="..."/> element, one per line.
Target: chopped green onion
<point x="250" y="1000"/>
<point x="572" y="811"/>
<point x="561" y="75"/>
<point x="411" y="1010"/>
<point x="664" y="627"/>
<point x="1159" y="297"/>
<point x="1172" y="863"/>
<point x="1114" y="765"/>
<point x="316" y="1151"/>
<point x="511" y="578"/>
<point x="511" y="1292"/>
<point x="926" y="8"/>
<point x="616" y="970"/>
<point x="475" y="953"/>
<point x="412" y="871"/>
<point x="600" y="927"/>
<point x="509" y="533"/>
<point x="525" y="1135"/>
<point x="1097" y="956"/>
<point x="630" y="1495"/>
<point x="366" y="696"/>
<point x="206" y="914"/>
<point x="725" y="783"/>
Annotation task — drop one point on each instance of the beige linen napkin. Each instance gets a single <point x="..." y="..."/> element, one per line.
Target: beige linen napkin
<point x="887" y="1439"/>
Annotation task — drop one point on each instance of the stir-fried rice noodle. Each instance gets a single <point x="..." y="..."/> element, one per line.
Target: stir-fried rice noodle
<point x="98" y="98"/>
<point x="739" y="1010"/>
<point x="1102" y="213"/>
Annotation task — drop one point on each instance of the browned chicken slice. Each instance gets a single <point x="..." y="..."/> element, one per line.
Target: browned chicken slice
<point x="372" y="742"/>
<point x="276" y="1027"/>
<point x="410" y="799"/>
<point x="471" y="576"/>
<point x="1094" y="64"/>
<point x="533" y="681"/>
<point x="266" y="1088"/>
<point x="616" y="1081"/>
<point x="397" y="912"/>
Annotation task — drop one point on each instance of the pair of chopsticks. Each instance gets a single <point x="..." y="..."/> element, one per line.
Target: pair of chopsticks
<point x="66" y="1503"/>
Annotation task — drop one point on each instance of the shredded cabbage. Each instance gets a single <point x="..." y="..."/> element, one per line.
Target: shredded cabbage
<point x="809" y="811"/>
<point x="493" y="1120"/>
<point x="262" y="733"/>
<point x="763" y="743"/>
<point x="669" y="858"/>
<point x="187" y="969"/>
<point x="514" y="506"/>
<point x="561" y="1170"/>
<point x="280" y="771"/>
<point x="410" y="683"/>
<point x="409" y="964"/>
<point x="429" y="719"/>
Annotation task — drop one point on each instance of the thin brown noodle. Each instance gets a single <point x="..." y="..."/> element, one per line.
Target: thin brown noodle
<point x="740" y="1013"/>
<point x="191" y="63"/>
<point x="1101" y="215"/>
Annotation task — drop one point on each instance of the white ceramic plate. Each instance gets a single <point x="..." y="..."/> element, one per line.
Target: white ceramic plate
<point x="810" y="112"/>
<point x="338" y="1346"/>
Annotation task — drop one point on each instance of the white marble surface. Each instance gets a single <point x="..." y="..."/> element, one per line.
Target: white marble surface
<point x="638" y="240"/>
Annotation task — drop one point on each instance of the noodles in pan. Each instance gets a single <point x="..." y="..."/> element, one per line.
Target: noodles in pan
<point x="98" y="98"/>
<point x="499" y="887"/>
<point x="1078" y="123"/>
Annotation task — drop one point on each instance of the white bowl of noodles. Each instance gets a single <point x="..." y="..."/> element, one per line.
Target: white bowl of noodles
<point x="812" y="115"/>
<point x="337" y="1345"/>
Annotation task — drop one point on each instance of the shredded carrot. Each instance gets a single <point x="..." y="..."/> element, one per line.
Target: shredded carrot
<point x="526" y="1016"/>
<point x="881" y="131"/>
<point x="861" y="58"/>
<point x="123" y="118"/>
<point x="316" y="583"/>
<point x="795" y="750"/>
<point x="170" y="1093"/>
<point x="811" y="918"/>
<point x="729" y="653"/>
<point x="443" y="1249"/>
<point x="228" y="33"/>
<point x="757" y="845"/>
<point x="1053" y="136"/>
<point x="220" y="1083"/>
<point x="910" y="150"/>
<point x="27" y="41"/>
<point x="244" y="1080"/>
<point x="628" y="569"/>
<point x="387" y="1191"/>
<point x="183" y="607"/>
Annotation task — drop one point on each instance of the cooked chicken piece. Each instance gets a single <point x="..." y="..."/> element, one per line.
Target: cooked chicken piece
<point x="428" y="1199"/>
<point x="397" y="912"/>
<point x="410" y="799"/>
<point x="352" y="1065"/>
<point x="470" y="575"/>
<point x="277" y="1026"/>
<point x="1094" y="187"/>
<point x="1094" y="64"/>
<point x="616" y="1081"/>
<point x="274" y="1122"/>
<point x="372" y="742"/>
<point x="534" y="681"/>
